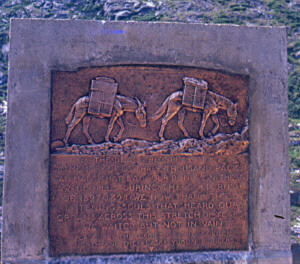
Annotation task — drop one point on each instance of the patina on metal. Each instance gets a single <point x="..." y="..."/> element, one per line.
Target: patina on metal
<point x="164" y="185"/>
<point x="193" y="99"/>
<point x="194" y="92"/>
<point x="143" y="204"/>
<point x="102" y="96"/>
<point x="103" y="103"/>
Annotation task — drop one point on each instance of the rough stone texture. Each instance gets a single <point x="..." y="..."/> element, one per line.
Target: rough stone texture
<point x="215" y="145"/>
<point x="38" y="46"/>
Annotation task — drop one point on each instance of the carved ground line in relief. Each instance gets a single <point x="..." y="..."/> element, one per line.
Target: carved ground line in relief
<point x="103" y="103"/>
<point x="113" y="197"/>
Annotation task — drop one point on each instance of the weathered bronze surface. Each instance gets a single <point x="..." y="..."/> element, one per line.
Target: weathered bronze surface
<point x="121" y="204"/>
<point x="164" y="184"/>
<point x="150" y="84"/>
<point x="194" y="92"/>
<point x="102" y="96"/>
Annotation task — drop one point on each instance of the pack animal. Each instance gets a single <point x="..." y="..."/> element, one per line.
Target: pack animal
<point x="213" y="102"/>
<point x="79" y="111"/>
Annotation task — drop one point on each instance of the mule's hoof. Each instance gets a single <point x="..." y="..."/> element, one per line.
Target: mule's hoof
<point x="116" y="139"/>
<point x="162" y="139"/>
<point x="106" y="139"/>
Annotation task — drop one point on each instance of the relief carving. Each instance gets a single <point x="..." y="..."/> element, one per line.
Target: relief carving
<point x="102" y="103"/>
<point x="105" y="102"/>
<point x="163" y="184"/>
<point x="210" y="103"/>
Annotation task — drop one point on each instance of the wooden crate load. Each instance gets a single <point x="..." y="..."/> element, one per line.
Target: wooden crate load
<point x="194" y="92"/>
<point x="102" y="96"/>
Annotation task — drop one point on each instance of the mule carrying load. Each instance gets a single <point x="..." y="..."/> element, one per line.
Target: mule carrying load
<point x="194" y="92"/>
<point x="102" y="96"/>
<point x="194" y="97"/>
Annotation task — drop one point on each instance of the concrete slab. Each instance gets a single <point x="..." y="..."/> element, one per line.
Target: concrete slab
<point x="39" y="46"/>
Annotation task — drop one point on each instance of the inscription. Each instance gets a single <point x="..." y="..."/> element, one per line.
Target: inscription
<point x="145" y="204"/>
<point x="136" y="194"/>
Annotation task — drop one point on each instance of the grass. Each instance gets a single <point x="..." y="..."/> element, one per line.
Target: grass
<point x="295" y="212"/>
<point x="294" y="151"/>
<point x="295" y="221"/>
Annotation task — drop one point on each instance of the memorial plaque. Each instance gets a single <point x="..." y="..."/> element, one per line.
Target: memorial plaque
<point x="143" y="180"/>
<point x="160" y="168"/>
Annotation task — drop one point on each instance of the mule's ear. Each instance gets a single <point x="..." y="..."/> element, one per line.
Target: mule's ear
<point x="139" y="102"/>
<point x="145" y="103"/>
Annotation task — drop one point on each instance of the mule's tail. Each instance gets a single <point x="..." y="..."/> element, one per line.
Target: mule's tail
<point x="160" y="111"/>
<point x="70" y="115"/>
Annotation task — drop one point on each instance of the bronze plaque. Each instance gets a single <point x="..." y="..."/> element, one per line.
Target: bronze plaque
<point x="155" y="176"/>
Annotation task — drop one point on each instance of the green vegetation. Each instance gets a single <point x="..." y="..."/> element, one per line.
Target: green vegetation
<point x="146" y="17"/>
<point x="294" y="154"/>
<point x="223" y="18"/>
<point x="295" y="212"/>
<point x="295" y="221"/>
<point x="294" y="149"/>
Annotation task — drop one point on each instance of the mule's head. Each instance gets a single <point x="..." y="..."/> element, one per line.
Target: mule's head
<point x="140" y="113"/>
<point x="232" y="113"/>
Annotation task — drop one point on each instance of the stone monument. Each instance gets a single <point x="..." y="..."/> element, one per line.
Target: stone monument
<point x="146" y="143"/>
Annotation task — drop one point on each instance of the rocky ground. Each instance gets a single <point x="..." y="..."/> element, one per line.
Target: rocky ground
<point x="241" y="12"/>
<point x="220" y="144"/>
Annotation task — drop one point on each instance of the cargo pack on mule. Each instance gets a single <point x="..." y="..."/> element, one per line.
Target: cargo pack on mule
<point x="195" y="97"/>
<point x="104" y="102"/>
<point x="194" y="92"/>
<point x="102" y="96"/>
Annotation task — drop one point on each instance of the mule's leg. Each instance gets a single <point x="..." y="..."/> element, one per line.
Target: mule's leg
<point x="172" y="110"/>
<point x="78" y="115"/>
<point x="181" y="114"/>
<point x="85" y="128"/>
<point x="120" y="123"/>
<point x="215" y="119"/>
<point x="112" y="121"/>
<point x="206" y="114"/>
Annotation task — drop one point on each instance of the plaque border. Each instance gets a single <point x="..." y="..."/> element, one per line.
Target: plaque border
<point x="38" y="46"/>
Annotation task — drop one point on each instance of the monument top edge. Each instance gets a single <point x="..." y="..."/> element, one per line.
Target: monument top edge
<point x="131" y="22"/>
